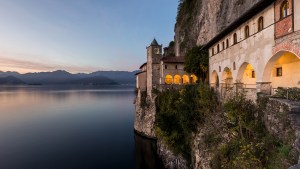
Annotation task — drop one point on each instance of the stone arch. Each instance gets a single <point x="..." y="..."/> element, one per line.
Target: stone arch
<point x="214" y="79"/>
<point x="282" y="70"/>
<point x="168" y="79"/>
<point x="227" y="76"/>
<point x="246" y="75"/>
<point x="193" y="79"/>
<point x="185" y="79"/>
<point x="177" y="79"/>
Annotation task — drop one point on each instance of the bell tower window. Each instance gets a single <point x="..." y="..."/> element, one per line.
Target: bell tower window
<point x="260" y="24"/>
<point x="234" y="38"/>
<point x="284" y="9"/>
<point x="247" y="33"/>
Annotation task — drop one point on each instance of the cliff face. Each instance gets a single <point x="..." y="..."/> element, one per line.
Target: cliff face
<point x="198" y="21"/>
<point x="145" y="115"/>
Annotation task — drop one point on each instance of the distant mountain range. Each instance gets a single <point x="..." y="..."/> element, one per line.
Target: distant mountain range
<point x="61" y="77"/>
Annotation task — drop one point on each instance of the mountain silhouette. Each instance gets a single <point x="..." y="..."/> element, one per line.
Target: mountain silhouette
<point x="61" y="77"/>
<point x="11" y="80"/>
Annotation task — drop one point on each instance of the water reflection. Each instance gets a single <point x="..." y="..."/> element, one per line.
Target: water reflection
<point x="71" y="127"/>
<point x="145" y="154"/>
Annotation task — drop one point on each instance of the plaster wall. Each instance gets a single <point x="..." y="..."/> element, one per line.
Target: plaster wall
<point x="255" y="50"/>
<point x="290" y="71"/>
<point x="142" y="81"/>
<point x="171" y="70"/>
<point x="296" y="15"/>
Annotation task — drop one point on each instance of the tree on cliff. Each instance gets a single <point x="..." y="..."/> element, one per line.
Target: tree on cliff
<point x="196" y="62"/>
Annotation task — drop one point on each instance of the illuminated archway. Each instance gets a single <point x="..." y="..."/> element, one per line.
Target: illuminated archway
<point x="227" y="77"/>
<point x="194" y="79"/>
<point x="214" y="79"/>
<point x="282" y="70"/>
<point x="177" y="79"/>
<point x="246" y="75"/>
<point x="168" y="79"/>
<point x="185" y="79"/>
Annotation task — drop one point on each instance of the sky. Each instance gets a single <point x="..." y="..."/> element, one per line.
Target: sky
<point x="81" y="35"/>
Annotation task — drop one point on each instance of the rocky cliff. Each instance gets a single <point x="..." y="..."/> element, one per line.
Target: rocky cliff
<point x="198" y="21"/>
<point x="145" y="115"/>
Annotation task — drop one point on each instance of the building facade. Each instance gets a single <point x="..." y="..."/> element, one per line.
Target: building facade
<point x="258" y="52"/>
<point x="162" y="72"/>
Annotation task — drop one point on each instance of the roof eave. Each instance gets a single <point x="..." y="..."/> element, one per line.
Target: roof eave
<point x="260" y="6"/>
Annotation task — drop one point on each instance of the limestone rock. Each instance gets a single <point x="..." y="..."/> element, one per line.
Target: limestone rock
<point x="205" y="19"/>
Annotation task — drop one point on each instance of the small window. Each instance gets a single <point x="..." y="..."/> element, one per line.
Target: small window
<point x="234" y="38"/>
<point x="247" y="33"/>
<point x="227" y="43"/>
<point x="213" y="51"/>
<point x="223" y="45"/>
<point x="166" y="67"/>
<point x="176" y="67"/>
<point x="279" y="71"/>
<point x="219" y="68"/>
<point x="234" y="67"/>
<point x="253" y="74"/>
<point x="260" y="24"/>
<point x="284" y="9"/>
<point x="218" y="48"/>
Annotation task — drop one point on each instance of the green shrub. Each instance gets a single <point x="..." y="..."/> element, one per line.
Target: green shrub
<point x="196" y="62"/>
<point x="288" y="93"/>
<point x="250" y="145"/>
<point x="179" y="113"/>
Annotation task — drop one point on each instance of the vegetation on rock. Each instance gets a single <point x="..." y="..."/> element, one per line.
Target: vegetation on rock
<point x="288" y="93"/>
<point x="234" y="133"/>
<point x="196" y="62"/>
<point x="249" y="144"/>
<point x="180" y="112"/>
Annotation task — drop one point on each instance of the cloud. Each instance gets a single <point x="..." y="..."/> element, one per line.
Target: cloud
<point x="24" y="66"/>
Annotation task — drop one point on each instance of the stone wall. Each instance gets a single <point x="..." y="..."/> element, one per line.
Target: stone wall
<point x="282" y="119"/>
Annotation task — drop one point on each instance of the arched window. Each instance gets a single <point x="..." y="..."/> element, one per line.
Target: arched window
<point x="260" y="23"/>
<point x="218" y="48"/>
<point x="234" y="38"/>
<point x="185" y="79"/>
<point x="234" y="67"/>
<point x="169" y="79"/>
<point x="227" y="43"/>
<point x="223" y="45"/>
<point x="193" y="79"/>
<point x="177" y="79"/>
<point x="284" y="9"/>
<point x="247" y="33"/>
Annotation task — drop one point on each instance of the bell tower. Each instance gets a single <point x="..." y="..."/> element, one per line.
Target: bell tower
<point x="154" y="54"/>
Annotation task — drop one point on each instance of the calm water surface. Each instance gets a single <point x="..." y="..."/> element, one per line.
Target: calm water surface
<point x="48" y="127"/>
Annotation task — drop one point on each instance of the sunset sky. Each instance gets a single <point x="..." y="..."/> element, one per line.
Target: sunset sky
<point x="81" y="35"/>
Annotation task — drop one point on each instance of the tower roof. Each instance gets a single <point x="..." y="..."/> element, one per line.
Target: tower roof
<point x="154" y="42"/>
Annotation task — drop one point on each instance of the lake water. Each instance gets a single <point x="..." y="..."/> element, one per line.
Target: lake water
<point x="48" y="127"/>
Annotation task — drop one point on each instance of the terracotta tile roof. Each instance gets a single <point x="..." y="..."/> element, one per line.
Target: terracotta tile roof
<point x="173" y="59"/>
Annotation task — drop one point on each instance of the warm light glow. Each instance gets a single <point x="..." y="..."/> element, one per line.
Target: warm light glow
<point x="227" y="76"/>
<point x="193" y="79"/>
<point x="185" y="79"/>
<point x="177" y="79"/>
<point x="169" y="79"/>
